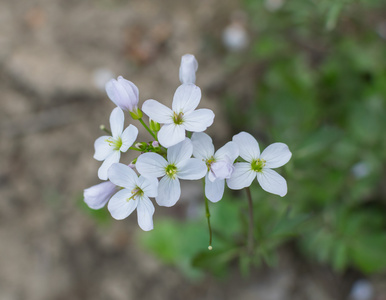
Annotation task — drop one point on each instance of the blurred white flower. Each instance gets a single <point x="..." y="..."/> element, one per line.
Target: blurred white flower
<point x="362" y="290"/>
<point x="273" y="5"/>
<point x="235" y="36"/>
<point x="101" y="77"/>
<point x="360" y="170"/>
<point x="188" y="69"/>
<point x="259" y="165"/>
<point x="108" y="148"/>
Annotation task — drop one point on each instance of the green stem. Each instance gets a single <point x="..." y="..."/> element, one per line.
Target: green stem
<point x="250" y="243"/>
<point x="207" y="214"/>
<point x="135" y="149"/>
<point x="103" y="128"/>
<point x="148" y="129"/>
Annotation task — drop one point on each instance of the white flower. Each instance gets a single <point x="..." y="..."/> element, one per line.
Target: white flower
<point x="188" y="69"/>
<point x="108" y="148"/>
<point x="123" y="93"/>
<point x="98" y="195"/>
<point x="259" y="165"/>
<point x="179" y="165"/>
<point x="134" y="195"/>
<point x="182" y="117"/>
<point x="219" y="164"/>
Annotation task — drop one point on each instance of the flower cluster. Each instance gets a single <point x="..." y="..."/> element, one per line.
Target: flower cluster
<point x="179" y="150"/>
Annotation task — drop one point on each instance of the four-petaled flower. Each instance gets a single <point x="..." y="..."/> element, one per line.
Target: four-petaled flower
<point x="259" y="165"/>
<point x="219" y="164"/>
<point x="123" y="93"/>
<point x="108" y="148"/>
<point x="182" y="117"/>
<point x="134" y="195"/>
<point x="179" y="165"/>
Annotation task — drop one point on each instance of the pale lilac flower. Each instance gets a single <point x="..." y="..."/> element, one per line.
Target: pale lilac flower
<point x="188" y="69"/>
<point x="134" y="195"/>
<point x="123" y="93"/>
<point x="108" y="148"/>
<point x="183" y="116"/>
<point x="219" y="164"/>
<point x="98" y="195"/>
<point x="179" y="165"/>
<point x="259" y="165"/>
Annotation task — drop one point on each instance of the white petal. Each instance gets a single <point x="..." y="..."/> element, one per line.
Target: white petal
<point x="276" y="155"/>
<point x="128" y="137"/>
<point x="188" y="69"/>
<point x="98" y="195"/>
<point x="186" y="98"/>
<point x="248" y="146"/>
<point x="111" y="159"/>
<point x="221" y="169"/>
<point x="169" y="191"/>
<point x="193" y="169"/>
<point x="198" y="120"/>
<point x="242" y="176"/>
<point x="214" y="190"/>
<point x="171" y="134"/>
<point x="119" y="206"/>
<point x="149" y="186"/>
<point x="102" y="148"/>
<point x="228" y="151"/>
<point x="157" y="111"/>
<point x="272" y="182"/>
<point x="151" y="165"/>
<point x="123" y="93"/>
<point x="123" y="176"/>
<point x="180" y="152"/>
<point x="202" y="145"/>
<point x="145" y="212"/>
<point x="117" y="119"/>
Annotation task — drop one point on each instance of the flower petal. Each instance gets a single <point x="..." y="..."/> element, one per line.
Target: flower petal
<point x="123" y="176"/>
<point x="202" y="146"/>
<point x="148" y="185"/>
<point x="151" y="165"/>
<point x="111" y="159"/>
<point x="272" y="182"/>
<point x="180" y="152"/>
<point x="171" y="134"/>
<point x="214" y="190"/>
<point x="169" y="191"/>
<point x="193" y="169"/>
<point x="276" y="155"/>
<point x="198" y="120"/>
<point x="157" y="111"/>
<point x="186" y="98"/>
<point x="117" y="119"/>
<point x="120" y="207"/>
<point x="229" y="151"/>
<point x="129" y="136"/>
<point x="248" y="146"/>
<point x="188" y="69"/>
<point x="123" y="93"/>
<point x="98" y="195"/>
<point x="145" y="212"/>
<point x="242" y="176"/>
<point x="102" y="148"/>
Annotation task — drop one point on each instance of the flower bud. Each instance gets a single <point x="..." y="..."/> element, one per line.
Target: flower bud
<point x="188" y="69"/>
<point x="136" y="114"/>
<point x="123" y="93"/>
<point x="155" y="144"/>
<point x="154" y="126"/>
<point x="98" y="195"/>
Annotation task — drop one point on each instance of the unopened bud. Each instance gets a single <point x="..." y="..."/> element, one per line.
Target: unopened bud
<point x="210" y="247"/>
<point x="155" y="144"/>
<point x="136" y="114"/>
<point x="154" y="126"/>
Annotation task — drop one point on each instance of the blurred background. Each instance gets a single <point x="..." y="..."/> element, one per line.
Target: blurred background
<point x="311" y="74"/>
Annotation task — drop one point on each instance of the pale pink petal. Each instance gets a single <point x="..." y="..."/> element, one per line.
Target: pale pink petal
<point x="121" y="206"/>
<point x="169" y="191"/>
<point x="186" y="98"/>
<point x="102" y="148"/>
<point x="98" y="195"/>
<point x="276" y="155"/>
<point x="214" y="190"/>
<point x="151" y="165"/>
<point x="123" y="93"/>
<point x="157" y="111"/>
<point x="242" y="176"/>
<point x="117" y="119"/>
<point x="272" y="182"/>
<point x="248" y="146"/>
<point x="229" y="151"/>
<point x="180" y="152"/>
<point x="202" y="146"/>
<point x="123" y="176"/>
<point x="145" y="212"/>
<point x="193" y="169"/>
<point x="198" y="120"/>
<point x="111" y="159"/>
<point x="171" y="134"/>
<point x="129" y="136"/>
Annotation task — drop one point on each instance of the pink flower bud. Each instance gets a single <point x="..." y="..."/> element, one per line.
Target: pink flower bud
<point x="123" y="93"/>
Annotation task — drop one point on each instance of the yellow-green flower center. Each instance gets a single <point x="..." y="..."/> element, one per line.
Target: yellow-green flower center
<point x="209" y="162"/>
<point x="178" y="119"/>
<point x="257" y="165"/>
<point x="115" y="143"/>
<point x="171" y="171"/>
<point x="137" y="192"/>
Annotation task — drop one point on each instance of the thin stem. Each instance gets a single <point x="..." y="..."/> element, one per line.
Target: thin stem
<point x="103" y="128"/>
<point x="135" y="149"/>
<point x="250" y="244"/>
<point x="148" y="129"/>
<point x="207" y="214"/>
